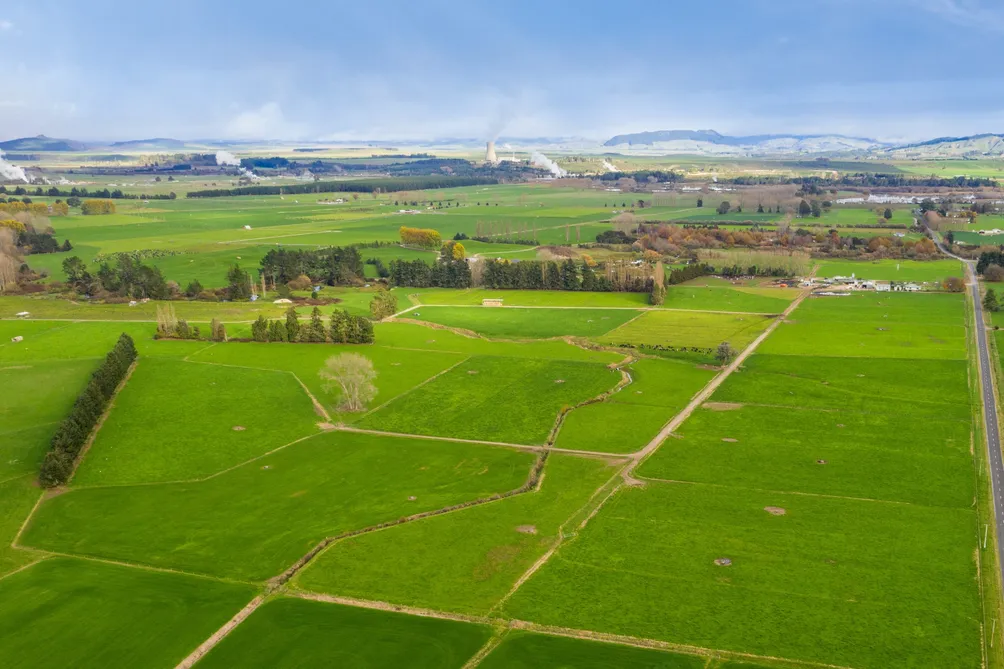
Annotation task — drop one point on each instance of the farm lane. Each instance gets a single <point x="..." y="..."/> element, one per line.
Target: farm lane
<point x="987" y="387"/>
<point x="709" y="389"/>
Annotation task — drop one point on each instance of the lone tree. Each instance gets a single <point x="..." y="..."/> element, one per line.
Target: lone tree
<point x="351" y="376"/>
<point x="994" y="273"/>
<point x="724" y="207"/>
<point x="725" y="353"/>
<point x="990" y="302"/>
<point x="954" y="284"/>
<point x="384" y="304"/>
<point x="658" y="295"/>
<point x="887" y="214"/>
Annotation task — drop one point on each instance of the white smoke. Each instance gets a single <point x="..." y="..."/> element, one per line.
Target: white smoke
<point x="540" y="160"/>
<point x="11" y="172"/>
<point x="227" y="158"/>
<point x="609" y="166"/>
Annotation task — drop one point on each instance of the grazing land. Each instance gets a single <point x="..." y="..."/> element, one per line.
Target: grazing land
<point x="90" y="614"/>
<point x="289" y="632"/>
<point x="593" y="465"/>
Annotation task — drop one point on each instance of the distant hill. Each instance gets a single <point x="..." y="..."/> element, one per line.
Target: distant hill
<point x="155" y="143"/>
<point x="986" y="145"/>
<point x="715" y="143"/>
<point x="42" y="143"/>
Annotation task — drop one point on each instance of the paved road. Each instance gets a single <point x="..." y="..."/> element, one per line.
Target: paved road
<point x="989" y="404"/>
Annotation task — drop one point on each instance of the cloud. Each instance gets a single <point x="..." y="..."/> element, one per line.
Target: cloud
<point x="265" y="122"/>
<point x="966" y="13"/>
<point x="6" y="25"/>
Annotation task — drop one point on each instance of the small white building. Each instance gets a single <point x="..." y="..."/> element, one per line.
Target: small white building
<point x="883" y="287"/>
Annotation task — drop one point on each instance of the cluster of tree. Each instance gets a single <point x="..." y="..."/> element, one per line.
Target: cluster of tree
<point x="988" y="258"/>
<point x="31" y="242"/>
<point x="423" y="237"/>
<point x="97" y="207"/>
<point x="344" y="328"/>
<point x="169" y="326"/>
<point x="643" y="175"/>
<point x="419" y="274"/>
<point x="689" y="272"/>
<point x="75" y="192"/>
<point x="128" y="278"/>
<point x="391" y="184"/>
<point x="615" y="237"/>
<point x="753" y="270"/>
<point x="33" y="208"/>
<point x="73" y="432"/>
<point x="505" y="240"/>
<point x="333" y="266"/>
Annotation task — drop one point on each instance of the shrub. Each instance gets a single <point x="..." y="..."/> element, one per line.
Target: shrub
<point x="301" y="282"/>
<point x="384" y="304"/>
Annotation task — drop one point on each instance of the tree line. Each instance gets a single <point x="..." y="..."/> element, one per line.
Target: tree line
<point x="343" y="328"/>
<point x="75" y="192"/>
<point x="73" y="432"/>
<point x="864" y="179"/>
<point x="391" y="184"/>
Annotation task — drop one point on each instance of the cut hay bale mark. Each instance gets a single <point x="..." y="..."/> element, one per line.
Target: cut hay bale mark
<point x="238" y="428"/>
<point x="775" y="510"/>
<point x="729" y="440"/>
<point x="820" y="462"/>
<point x="559" y="380"/>
<point x="723" y="562"/>
<point x="722" y="406"/>
<point x="526" y="529"/>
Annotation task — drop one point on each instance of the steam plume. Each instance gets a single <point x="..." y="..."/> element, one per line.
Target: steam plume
<point x="10" y="172"/>
<point x="227" y="158"/>
<point x="609" y="166"/>
<point x="540" y="160"/>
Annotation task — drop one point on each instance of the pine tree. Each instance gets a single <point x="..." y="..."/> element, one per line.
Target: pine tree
<point x="277" y="331"/>
<point x="292" y="325"/>
<point x="259" y="329"/>
<point x="990" y="302"/>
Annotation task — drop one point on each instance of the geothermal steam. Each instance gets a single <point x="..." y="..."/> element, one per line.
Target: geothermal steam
<point x="227" y="158"/>
<point x="540" y="160"/>
<point x="10" y="172"/>
<point x="609" y="166"/>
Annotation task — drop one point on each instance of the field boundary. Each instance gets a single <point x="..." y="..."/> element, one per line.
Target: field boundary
<point x="221" y="633"/>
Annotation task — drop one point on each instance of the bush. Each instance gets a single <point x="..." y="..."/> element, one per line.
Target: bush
<point x="994" y="273"/>
<point x="301" y="282"/>
<point x="73" y="432"/>
<point x="384" y="304"/>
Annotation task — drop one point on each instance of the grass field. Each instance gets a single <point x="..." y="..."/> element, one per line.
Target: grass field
<point x="65" y="612"/>
<point x="891" y="270"/>
<point x="253" y="521"/>
<point x="814" y="584"/>
<point x="289" y="632"/>
<point x="464" y="561"/>
<point x="494" y="399"/>
<point x="230" y="415"/>
<point x="683" y="329"/>
<point x="524" y="650"/>
<point x="526" y="323"/>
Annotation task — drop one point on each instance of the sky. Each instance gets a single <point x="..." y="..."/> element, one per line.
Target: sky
<point x="895" y="70"/>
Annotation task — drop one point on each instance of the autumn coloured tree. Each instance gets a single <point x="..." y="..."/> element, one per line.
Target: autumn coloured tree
<point x="423" y="237"/>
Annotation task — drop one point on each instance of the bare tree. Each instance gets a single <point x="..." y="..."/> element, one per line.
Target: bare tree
<point x="351" y="376"/>
<point x="10" y="261"/>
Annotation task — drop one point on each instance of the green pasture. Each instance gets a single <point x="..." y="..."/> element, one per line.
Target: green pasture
<point x="179" y="420"/>
<point x="65" y="612"/>
<point x="814" y="584"/>
<point x="526" y="650"/>
<point x="17" y="498"/>
<point x="291" y="632"/>
<point x="499" y="399"/>
<point x="526" y="298"/>
<point x="889" y="453"/>
<point x="705" y="295"/>
<point x="928" y="271"/>
<point x="515" y="322"/>
<point x="688" y="329"/>
<point x="627" y="420"/>
<point x="935" y="387"/>
<point x="464" y="561"/>
<point x="253" y="521"/>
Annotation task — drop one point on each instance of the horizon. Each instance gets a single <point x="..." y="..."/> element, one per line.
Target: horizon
<point x="450" y="69"/>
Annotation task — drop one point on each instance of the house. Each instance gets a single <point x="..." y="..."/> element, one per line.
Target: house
<point x="912" y="287"/>
<point x="882" y="286"/>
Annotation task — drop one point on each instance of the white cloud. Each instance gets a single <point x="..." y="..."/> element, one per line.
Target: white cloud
<point x="265" y="122"/>
<point x="966" y="13"/>
<point x="6" y="25"/>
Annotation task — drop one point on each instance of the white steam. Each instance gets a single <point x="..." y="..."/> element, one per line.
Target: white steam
<point x="11" y="172"/>
<point x="229" y="159"/>
<point x="540" y="160"/>
<point x="609" y="166"/>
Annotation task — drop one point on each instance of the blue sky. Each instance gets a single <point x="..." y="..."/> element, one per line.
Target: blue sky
<point x="381" y="69"/>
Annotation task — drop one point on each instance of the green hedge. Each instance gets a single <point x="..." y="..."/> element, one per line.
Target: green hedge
<point x="72" y="433"/>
